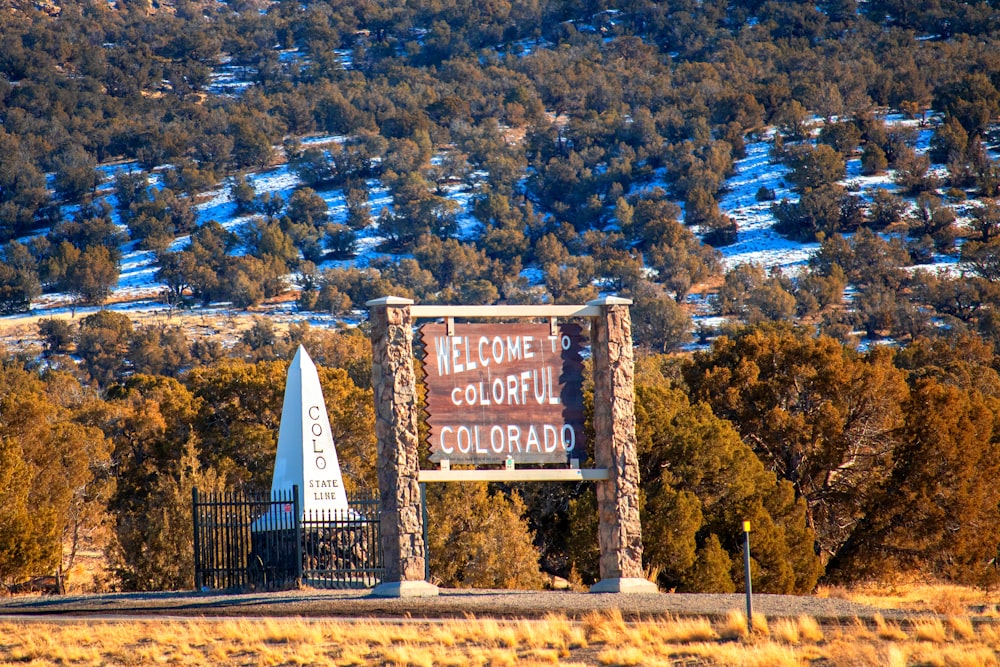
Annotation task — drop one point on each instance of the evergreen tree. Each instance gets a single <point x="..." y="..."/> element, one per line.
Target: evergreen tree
<point x="243" y="193"/>
<point x="91" y="278"/>
<point x="873" y="160"/>
<point x="940" y="510"/>
<point x="487" y="545"/>
<point x="950" y="139"/>
<point x="816" y="168"/>
<point x="658" y="322"/>
<point x="51" y="470"/>
<point x="102" y="342"/>
<point x="307" y="207"/>
<point x="818" y="414"/>
<point x="22" y="188"/>
<point x="75" y="173"/>
<point x="156" y="546"/>
<point x="19" y="282"/>
<point x="701" y="481"/>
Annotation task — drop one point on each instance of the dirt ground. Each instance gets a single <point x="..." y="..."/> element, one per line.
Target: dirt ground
<point x="451" y="603"/>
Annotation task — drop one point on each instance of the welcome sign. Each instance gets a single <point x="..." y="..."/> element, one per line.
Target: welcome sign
<point x="504" y="391"/>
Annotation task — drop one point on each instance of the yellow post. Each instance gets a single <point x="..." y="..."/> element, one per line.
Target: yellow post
<point x="746" y="573"/>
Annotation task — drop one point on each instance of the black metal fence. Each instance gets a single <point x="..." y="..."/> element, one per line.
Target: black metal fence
<point x="247" y="542"/>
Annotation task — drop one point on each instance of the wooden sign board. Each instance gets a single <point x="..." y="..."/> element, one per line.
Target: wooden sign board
<point x="499" y="391"/>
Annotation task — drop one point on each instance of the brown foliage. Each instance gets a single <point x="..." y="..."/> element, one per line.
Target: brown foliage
<point x="817" y="413"/>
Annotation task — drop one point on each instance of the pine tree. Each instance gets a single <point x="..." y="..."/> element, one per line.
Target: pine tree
<point x="155" y="543"/>
<point x="712" y="570"/>
<point x="19" y="282"/>
<point x="873" y="160"/>
<point x="816" y="168"/>
<point x="19" y="551"/>
<point x="49" y="467"/>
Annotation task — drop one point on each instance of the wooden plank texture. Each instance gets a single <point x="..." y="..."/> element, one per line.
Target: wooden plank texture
<point x="504" y="390"/>
<point x="516" y="475"/>
<point x="435" y="311"/>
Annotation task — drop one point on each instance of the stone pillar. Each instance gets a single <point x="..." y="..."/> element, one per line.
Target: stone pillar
<point x="619" y="529"/>
<point x="394" y="384"/>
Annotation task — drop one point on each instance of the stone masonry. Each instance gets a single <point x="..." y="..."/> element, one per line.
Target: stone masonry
<point x="620" y="532"/>
<point x="394" y="384"/>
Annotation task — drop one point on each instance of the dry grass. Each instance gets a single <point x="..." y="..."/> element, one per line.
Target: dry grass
<point x="734" y="626"/>
<point x="903" y="595"/>
<point x="962" y="627"/>
<point x="20" y="331"/>
<point x="809" y="629"/>
<point x="687" y="630"/>
<point x="887" y="630"/>
<point x="604" y="638"/>
<point x="759" y="625"/>
<point x="786" y="630"/>
<point x="990" y="635"/>
<point x="930" y="630"/>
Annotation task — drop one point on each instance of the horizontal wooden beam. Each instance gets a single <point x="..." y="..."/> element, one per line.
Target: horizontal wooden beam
<point x="591" y="309"/>
<point x="435" y="311"/>
<point x="516" y="475"/>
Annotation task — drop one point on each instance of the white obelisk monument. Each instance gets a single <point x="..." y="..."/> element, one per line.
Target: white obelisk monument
<point x="306" y="454"/>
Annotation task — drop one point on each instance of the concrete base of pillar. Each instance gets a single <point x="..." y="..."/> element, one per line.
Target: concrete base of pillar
<point x="624" y="585"/>
<point x="405" y="589"/>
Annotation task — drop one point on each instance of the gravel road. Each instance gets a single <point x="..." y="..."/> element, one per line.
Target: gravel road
<point x="450" y="603"/>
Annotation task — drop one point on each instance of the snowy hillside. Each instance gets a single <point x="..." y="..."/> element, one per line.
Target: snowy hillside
<point x="138" y="291"/>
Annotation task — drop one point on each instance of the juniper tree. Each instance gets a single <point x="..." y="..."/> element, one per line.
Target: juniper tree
<point x="818" y="414"/>
<point x="700" y="482"/>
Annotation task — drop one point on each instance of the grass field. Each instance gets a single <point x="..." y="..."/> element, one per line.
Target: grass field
<point x="598" y="639"/>
<point x="917" y="596"/>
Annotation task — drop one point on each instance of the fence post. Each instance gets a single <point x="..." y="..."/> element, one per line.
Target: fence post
<point x="298" y="534"/>
<point x="198" y="578"/>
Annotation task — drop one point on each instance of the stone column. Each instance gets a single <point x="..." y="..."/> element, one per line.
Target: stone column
<point x="394" y="384"/>
<point x="619" y="529"/>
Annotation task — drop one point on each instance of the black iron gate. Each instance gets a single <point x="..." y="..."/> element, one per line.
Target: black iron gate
<point x="248" y="542"/>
